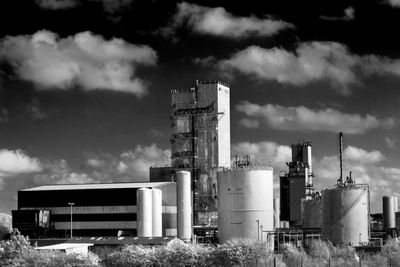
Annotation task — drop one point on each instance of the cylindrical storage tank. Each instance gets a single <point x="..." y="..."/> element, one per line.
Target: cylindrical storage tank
<point x="345" y="215"/>
<point x="184" y="205"/>
<point x="311" y="213"/>
<point x="389" y="213"/>
<point x="276" y="212"/>
<point x="284" y="224"/>
<point x="396" y="204"/>
<point x="144" y="212"/>
<point x="245" y="203"/>
<point x="157" y="212"/>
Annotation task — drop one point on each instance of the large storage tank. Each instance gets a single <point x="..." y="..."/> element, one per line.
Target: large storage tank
<point x="389" y="212"/>
<point x="245" y="203"/>
<point x="144" y="212"/>
<point x="311" y="212"/>
<point x="345" y="215"/>
<point x="184" y="205"/>
<point x="156" y="212"/>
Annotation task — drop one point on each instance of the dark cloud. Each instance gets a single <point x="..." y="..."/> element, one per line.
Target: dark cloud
<point x="57" y="4"/>
<point x="349" y="14"/>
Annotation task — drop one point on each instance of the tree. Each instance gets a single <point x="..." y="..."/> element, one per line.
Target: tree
<point x="5" y="225"/>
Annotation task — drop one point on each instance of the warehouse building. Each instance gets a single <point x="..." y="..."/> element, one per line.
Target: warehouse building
<point x="107" y="209"/>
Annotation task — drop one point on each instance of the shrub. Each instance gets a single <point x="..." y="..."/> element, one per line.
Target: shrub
<point x="294" y="256"/>
<point x="239" y="252"/>
<point x="130" y="255"/>
<point x="18" y="252"/>
<point x="5" y="225"/>
<point x="391" y="250"/>
<point x="178" y="253"/>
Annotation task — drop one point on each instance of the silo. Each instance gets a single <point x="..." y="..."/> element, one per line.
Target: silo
<point x="245" y="203"/>
<point x="184" y="205"/>
<point x="389" y="213"/>
<point x="157" y="211"/>
<point x="345" y="214"/>
<point x="144" y="212"/>
<point x="311" y="212"/>
<point x="276" y="212"/>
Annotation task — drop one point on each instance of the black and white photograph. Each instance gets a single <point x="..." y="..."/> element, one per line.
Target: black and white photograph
<point x="199" y="133"/>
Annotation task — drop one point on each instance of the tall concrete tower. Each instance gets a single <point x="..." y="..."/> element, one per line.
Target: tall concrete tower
<point x="200" y="123"/>
<point x="297" y="183"/>
<point x="200" y="143"/>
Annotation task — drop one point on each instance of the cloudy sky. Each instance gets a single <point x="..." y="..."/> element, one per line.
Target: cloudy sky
<point x="84" y="85"/>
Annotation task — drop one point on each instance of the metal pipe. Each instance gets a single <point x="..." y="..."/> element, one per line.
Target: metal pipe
<point x="71" y="204"/>
<point x="341" y="156"/>
<point x="184" y="205"/>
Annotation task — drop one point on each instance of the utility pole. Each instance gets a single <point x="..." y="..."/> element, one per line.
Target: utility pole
<point x="71" y="204"/>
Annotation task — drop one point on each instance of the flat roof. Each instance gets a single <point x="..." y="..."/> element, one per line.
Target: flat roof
<point x="66" y="246"/>
<point x="103" y="240"/>
<point x="96" y="186"/>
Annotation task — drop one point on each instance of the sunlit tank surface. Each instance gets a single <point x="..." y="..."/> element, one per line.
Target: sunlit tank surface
<point x="311" y="213"/>
<point x="345" y="215"/>
<point x="276" y="212"/>
<point x="389" y="213"/>
<point x="144" y="212"/>
<point x="184" y="205"/>
<point x="245" y="203"/>
<point x="156" y="195"/>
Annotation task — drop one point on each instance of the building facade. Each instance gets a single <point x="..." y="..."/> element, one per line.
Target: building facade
<point x="200" y="143"/>
<point x="297" y="183"/>
<point x="97" y="209"/>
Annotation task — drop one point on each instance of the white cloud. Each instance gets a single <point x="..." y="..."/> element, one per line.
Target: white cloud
<point x="59" y="172"/>
<point x="56" y="4"/>
<point x="110" y="6"/>
<point x="393" y="3"/>
<point x="14" y="162"/>
<point x="302" y="118"/>
<point x="34" y="109"/>
<point x="85" y="59"/>
<point x="310" y="62"/>
<point x="264" y="153"/>
<point x="366" y="168"/>
<point x="115" y="6"/>
<point x="355" y="154"/>
<point x="137" y="162"/>
<point x="3" y="115"/>
<point x="250" y="123"/>
<point x="381" y="65"/>
<point x="347" y="16"/>
<point x="131" y="165"/>
<point x="218" y="22"/>
<point x="390" y="142"/>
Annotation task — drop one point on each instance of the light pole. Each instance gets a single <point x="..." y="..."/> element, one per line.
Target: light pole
<point x="71" y="204"/>
<point x="258" y="229"/>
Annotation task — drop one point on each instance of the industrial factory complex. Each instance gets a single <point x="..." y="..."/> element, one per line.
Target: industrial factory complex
<point x="207" y="195"/>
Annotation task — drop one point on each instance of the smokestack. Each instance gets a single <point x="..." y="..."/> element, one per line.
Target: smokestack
<point x="341" y="156"/>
